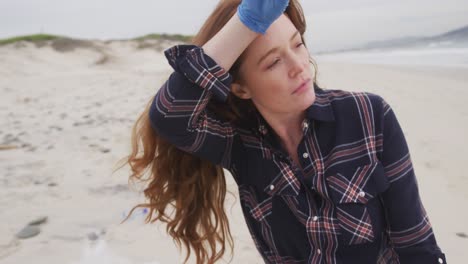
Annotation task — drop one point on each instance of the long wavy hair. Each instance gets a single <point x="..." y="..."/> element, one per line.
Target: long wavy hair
<point x="183" y="191"/>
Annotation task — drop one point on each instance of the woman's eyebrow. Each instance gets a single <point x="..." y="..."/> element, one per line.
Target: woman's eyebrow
<point x="275" y="49"/>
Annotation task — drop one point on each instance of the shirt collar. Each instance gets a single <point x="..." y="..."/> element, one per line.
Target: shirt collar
<point x="320" y="110"/>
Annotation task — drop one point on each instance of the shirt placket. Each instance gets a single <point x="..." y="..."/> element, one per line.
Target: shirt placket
<point x="315" y="222"/>
<point x="320" y="224"/>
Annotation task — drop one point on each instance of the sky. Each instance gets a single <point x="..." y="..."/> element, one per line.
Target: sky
<point x="332" y="24"/>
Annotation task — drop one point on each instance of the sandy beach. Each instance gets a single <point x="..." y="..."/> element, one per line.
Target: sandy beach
<point x="66" y="113"/>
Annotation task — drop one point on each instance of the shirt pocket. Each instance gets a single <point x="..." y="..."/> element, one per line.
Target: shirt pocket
<point x="272" y="200"/>
<point x="267" y="186"/>
<point x="266" y="183"/>
<point x="352" y="191"/>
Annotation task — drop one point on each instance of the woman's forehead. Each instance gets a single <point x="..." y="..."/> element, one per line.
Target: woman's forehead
<point x="278" y="34"/>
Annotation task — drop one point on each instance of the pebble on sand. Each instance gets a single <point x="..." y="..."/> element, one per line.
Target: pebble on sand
<point x="38" y="221"/>
<point x="28" y="231"/>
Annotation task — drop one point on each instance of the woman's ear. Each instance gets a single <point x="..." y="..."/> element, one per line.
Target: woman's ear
<point x="240" y="91"/>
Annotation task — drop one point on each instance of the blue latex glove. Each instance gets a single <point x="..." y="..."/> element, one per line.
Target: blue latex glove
<point x="258" y="15"/>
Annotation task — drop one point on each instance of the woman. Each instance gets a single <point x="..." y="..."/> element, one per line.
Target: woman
<point x="324" y="176"/>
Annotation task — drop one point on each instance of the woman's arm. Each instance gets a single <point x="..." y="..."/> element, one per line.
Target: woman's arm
<point x="408" y="224"/>
<point x="229" y="43"/>
<point x="253" y="17"/>
<point x="179" y="113"/>
<point x="179" y="110"/>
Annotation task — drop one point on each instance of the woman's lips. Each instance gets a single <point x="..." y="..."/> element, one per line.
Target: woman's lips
<point x="302" y="87"/>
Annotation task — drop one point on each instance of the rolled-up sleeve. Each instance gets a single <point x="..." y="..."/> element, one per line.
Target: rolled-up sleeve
<point x="179" y="110"/>
<point x="201" y="69"/>
<point x="409" y="228"/>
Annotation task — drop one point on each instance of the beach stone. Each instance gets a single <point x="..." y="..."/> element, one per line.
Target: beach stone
<point x="461" y="234"/>
<point x="105" y="150"/>
<point x="28" y="232"/>
<point x="93" y="236"/>
<point x="31" y="149"/>
<point x="56" y="128"/>
<point x="25" y="145"/>
<point x="38" y="221"/>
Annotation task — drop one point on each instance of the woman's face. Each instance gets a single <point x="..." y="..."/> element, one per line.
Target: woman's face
<point x="274" y="65"/>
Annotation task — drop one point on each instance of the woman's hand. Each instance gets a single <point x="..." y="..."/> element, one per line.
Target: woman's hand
<point x="258" y="15"/>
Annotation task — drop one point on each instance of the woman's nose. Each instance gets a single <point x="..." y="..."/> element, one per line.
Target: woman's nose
<point x="297" y="65"/>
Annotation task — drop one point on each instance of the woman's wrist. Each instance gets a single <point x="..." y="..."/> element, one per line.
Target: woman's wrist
<point x="258" y="15"/>
<point x="229" y="43"/>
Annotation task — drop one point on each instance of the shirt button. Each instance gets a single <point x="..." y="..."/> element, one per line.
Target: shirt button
<point x="362" y="194"/>
<point x="315" y="218"/>
<point x="305" y="155"/>
<point x="441" y="260"/>
<point x="319" y="251"/>
<point x="272" y="187"/>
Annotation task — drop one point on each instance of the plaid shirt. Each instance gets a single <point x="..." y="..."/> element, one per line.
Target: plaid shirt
<point x="356" y="198"/>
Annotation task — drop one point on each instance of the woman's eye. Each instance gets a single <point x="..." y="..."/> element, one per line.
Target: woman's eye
<point x="300" y="44"/>
<point x="273" y="64"/>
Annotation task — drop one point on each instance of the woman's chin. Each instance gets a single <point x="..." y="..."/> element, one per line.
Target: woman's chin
<point x="307" y="98"/>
